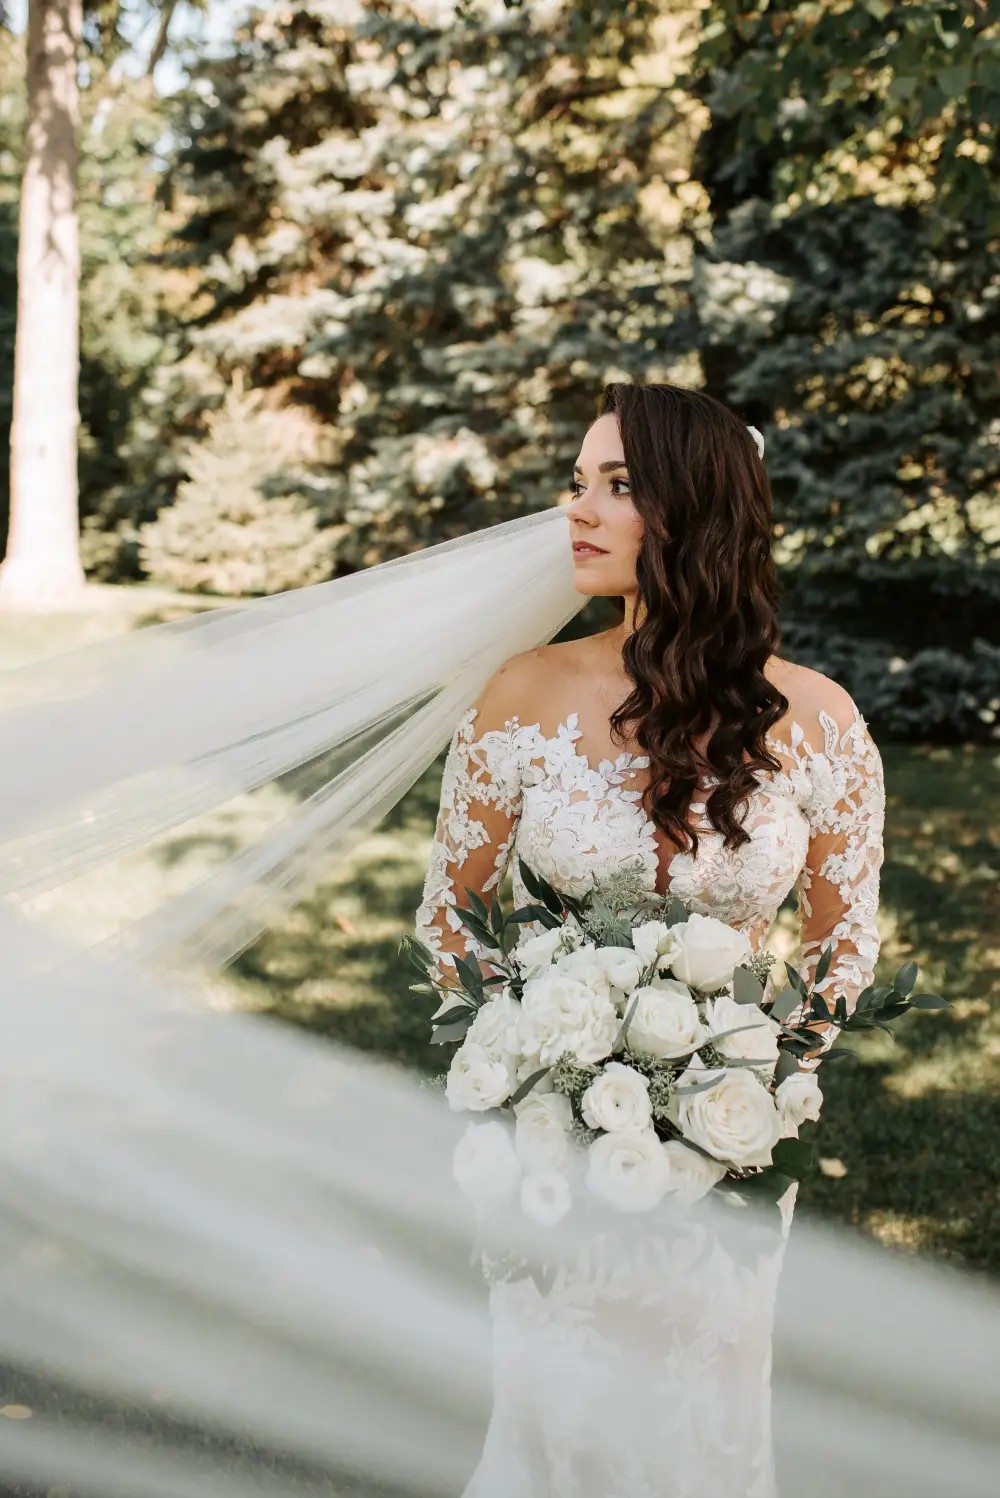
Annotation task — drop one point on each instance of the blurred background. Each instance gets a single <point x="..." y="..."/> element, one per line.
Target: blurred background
<point x="287" y="289"/>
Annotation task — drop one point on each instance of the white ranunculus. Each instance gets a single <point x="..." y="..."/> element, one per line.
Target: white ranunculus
<point x="706" y="951"/>
<point x="537" y="951"/>
<point x="495" y="1025"/>
<point x="542" y="1132"/>
<point x="618" y="1098"/>
<point x="655" y="940"/>
<point x="799" y="1098"/>
<point x="692" y="1175"/>
<point x="477" y="1079"/>
<point x="757" y="1044"/>
<point x="622" y="967"/>
<point x="735" y="1120"/>
<point x="546" y="1196"/>
<point x="485" y="1164"/>
<point x="628" y="1169"/>
<point x="666" y="1021"/>
<point x="559" y="1013"/>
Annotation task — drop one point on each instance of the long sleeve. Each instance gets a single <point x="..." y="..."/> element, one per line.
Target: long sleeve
<point x="477" y="818"/>
<point x="838" y="888"/>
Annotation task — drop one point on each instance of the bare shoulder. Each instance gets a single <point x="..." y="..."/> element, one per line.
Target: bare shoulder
<point x="527" y="683"/>
<point x="810" y="693"/>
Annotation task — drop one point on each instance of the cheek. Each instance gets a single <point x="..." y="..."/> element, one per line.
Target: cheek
<point x="628" y="528"/>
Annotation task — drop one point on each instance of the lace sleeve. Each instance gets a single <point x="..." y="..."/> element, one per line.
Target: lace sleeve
<point x="838" y="887"/>
<point x="474" y="834"/>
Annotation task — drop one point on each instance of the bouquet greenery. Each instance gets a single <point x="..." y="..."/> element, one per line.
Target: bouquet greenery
<point x="643" y="1031"/>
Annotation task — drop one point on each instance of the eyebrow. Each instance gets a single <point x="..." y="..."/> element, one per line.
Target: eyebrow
<point x="604" y="467"/>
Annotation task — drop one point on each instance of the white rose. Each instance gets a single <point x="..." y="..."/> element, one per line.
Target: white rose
<point x="535" y="952"/>
<point x="617" y="1099"/>
<point x="666" y="1021"/>
<point x="758" y="1043"/>
<point x="559" y="1014"/>
<point x="622" y="967"/>
<point x="735" y="1120"/>
<point x="542" y="1132"/>
<point x="477" y="1079"/>
<point x="692" y="1176"/>
<point x="654" y="941"/>
<point x="586" y="966"/>
<point x="485" y="1164"/>
<point x="706" y="951"/>
<point x="546" y="1196"/>
<point x="798" y="1098"/>
<point x="628" y="1169"/>
<point x="495" y="1025"/>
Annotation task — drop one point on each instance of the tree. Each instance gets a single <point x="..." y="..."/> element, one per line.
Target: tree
<point x="42" y="567"/>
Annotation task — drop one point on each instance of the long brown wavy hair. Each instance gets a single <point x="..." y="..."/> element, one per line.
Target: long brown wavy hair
<point x="706" y="617"/>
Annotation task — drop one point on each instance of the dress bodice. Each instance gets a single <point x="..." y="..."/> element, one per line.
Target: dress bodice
<point x="815" y="824"/>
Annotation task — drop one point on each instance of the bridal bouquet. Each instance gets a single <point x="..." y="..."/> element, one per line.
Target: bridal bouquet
<point x="636" y="1028"/>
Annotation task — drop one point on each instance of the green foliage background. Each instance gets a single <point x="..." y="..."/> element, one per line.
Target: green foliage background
<point x="391" y="252"/>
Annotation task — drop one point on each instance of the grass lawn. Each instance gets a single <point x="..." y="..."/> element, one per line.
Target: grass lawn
<point x="911" y="1132"/>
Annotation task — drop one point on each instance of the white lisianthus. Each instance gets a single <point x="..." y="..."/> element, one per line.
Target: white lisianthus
<point x="706" y="951"/>
<point x="495" y="1024"/>
<point x="485" y="1164"/>
<point x="622" y="967"/>
<point x="617" y="1099"/>
<point x="692" y="1175"/>
<point x="666" y="1021"/>
<point x="559" y="1013"/>
<point x="628" y="1169"/>
<point x="537" y="951"/>
<point x="546" y="1196"/>
<point x="478" y="1079"/>
<point x="758" y="1043"/>
<point x="735" y="1120"/>
<point x="655" y="941"/>
<point x="799" y="1098"/>
<point x="542" y="1131"/>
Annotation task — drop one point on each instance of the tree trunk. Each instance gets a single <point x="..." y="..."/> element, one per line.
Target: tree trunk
<point x="42" y="569"/>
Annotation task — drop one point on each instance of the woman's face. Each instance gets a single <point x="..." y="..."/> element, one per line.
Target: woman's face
<point x="605" y="527"/>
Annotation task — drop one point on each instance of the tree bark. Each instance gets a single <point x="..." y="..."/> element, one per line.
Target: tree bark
<point x="42" y="569"/>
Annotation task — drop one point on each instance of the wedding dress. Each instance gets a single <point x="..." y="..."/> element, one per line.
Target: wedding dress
<point x="701" y="1427"/>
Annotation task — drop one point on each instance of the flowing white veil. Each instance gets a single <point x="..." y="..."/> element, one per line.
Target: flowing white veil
<point x="235" y="1258"/>
<point x="333" y="699"/>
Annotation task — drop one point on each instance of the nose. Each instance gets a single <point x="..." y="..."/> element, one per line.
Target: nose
<point x="580" y="508"/>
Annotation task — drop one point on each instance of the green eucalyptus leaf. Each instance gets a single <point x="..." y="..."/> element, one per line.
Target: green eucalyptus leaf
<point x="746" y="988"/>
<point x="451" y="1032"/>
<point x="785" y="1004"/>
<point x="787" y="1066"/>
<point x="929" y="1001"/>
<point x="793" y="1156"/>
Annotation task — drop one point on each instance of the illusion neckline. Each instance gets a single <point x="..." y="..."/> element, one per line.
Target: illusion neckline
<point x="633" y="760"/>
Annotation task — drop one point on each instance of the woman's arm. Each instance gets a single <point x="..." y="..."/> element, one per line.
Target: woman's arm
<point x="480" y="806"/>
<point x="839" y="885"/>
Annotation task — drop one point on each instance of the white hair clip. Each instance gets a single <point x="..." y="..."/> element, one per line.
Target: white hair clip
<point x="758" y="438"/>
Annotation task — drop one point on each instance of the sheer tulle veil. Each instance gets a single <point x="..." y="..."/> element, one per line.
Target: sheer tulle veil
<point x="235" y="1257"/>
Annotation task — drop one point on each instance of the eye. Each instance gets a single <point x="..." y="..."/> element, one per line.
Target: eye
<point x="576" y="488"/>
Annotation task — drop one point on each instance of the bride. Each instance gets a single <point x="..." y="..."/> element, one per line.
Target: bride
<point x="679" y="740"/>
<point x="215" y="1219"/>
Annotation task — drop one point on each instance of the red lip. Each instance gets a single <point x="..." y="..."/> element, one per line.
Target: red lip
<point x="586" y="546"/>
